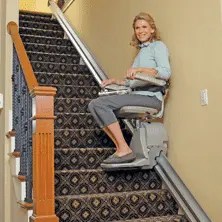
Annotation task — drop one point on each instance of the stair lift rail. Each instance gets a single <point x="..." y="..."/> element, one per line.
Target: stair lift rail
<point x="178" y="189"/>
<point x="183" y="196"/>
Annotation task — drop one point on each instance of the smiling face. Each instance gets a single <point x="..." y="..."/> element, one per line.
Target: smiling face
<point x="143" y="30"/>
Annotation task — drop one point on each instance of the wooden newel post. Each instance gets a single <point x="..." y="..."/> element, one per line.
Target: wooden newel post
<point x="43" y="155"/>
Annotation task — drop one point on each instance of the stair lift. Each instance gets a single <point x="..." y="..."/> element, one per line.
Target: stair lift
<point x="149" y="137"/>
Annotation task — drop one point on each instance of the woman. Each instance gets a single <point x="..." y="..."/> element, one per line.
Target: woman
<point x="152" y="59"/>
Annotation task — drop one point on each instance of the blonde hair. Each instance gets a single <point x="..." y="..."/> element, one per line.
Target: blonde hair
<point x="148" y="18"/>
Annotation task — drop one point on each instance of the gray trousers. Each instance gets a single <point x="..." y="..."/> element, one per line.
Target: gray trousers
<point x="103" y="108"/>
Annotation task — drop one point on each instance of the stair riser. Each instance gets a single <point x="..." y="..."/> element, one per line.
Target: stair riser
<point x="94" y="182"/>
<point x="46" y="40"/>
<point x="71" y="105"/>
<point x="50" y="49"/>
<point x="36" y="18"/>
<point x="75" y="121"/>
<point x="84" y="139"/>
<point x="37" y="25"/>
<point x="59" y="68"/>
<point x="74" y="159"/>
<point x="62" y="79"/>
<point x="77" y="92"/>
<point x="41" y="32"/>
<point x="54" y="58"/>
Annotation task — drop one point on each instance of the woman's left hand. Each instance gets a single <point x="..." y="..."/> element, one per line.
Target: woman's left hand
<point x="130" y="74"/>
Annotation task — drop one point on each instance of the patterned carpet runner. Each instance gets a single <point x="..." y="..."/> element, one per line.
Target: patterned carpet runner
<point x="84" y="192"/>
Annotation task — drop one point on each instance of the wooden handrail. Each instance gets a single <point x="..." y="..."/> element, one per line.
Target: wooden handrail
<point x="30" y="78"/>
<point x="42" y="136"/>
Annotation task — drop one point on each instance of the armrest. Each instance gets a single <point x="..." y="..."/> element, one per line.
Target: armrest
<point x="114" y="89"/>
<point x="144" y="80"/>
<point x="140" y="81"/>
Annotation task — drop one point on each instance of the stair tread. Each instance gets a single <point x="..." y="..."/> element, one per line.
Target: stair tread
<point x="38" y="29"/>
<point x="83" y="148"/>
<point x="64" y="98"/>
<point x="58" y="46"/>
<point x="109" y="195"/>
<point x="62" y="85"/>
<point x="46" y="37"/>
<point x="64" y="74"/>
<point x="54" y="54"/>
<point x="170" y="218"/>
<point x="57" y="130"/>
<point x="80" y="170"/>
<point x="74" y="113"/>
<point x="56" y="63"/>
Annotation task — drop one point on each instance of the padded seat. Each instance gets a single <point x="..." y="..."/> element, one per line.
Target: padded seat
<point x="136" y="112"/>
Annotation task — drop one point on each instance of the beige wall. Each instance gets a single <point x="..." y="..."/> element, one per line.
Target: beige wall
<point x="98" y="23"/>
<point x="34" y="5"/>
<point x="193" y="33"/>
<point x="27" y="5"/>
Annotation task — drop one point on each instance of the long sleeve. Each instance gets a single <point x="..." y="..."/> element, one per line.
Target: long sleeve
<point x="161" y="56"/>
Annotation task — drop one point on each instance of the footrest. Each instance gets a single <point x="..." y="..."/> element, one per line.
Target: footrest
<point x="136" y="164"/>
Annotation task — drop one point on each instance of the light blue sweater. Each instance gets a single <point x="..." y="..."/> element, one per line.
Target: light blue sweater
<point x="153" y="55"/>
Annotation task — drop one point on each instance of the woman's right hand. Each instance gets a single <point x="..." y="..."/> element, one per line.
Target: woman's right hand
<point x="107" y="82"/>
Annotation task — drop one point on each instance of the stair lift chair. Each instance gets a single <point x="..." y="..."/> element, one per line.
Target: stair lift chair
<point x="149" y="137"/>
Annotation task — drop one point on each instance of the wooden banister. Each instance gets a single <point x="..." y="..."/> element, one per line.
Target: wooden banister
<point x="30" y="78"/>
<point x="43" y="155"/>
<point x="42" y="136"/>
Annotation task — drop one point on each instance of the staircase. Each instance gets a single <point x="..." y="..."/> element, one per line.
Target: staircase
<point x="84" y="192"/>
